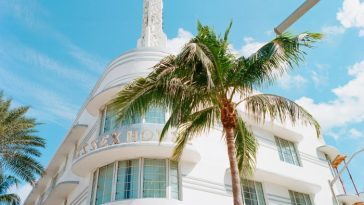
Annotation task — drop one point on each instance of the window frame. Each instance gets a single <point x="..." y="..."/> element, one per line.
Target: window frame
<point x="305" y="196"/>
<point x="116" y="177"/>
<point x="255" y="190"/>
<point x="112" y="182"/>
<point x="295" y="154"/>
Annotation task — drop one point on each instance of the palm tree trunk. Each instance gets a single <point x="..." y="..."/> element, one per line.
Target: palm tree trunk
<point x="234" y="170"/>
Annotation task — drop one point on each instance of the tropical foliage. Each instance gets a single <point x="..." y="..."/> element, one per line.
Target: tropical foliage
<point x="203" y="86"/>
<point x="19" y="148"/>
<point x="6" y="182"/>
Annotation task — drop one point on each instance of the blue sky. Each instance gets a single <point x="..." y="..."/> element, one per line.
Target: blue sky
<point x="52" y="53"/>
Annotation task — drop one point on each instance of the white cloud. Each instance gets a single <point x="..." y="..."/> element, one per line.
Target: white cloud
<point x="333" y="30"/>
<point x="26" y="12"/>
<point x="22" y="191"/>
<point x="48" y="107"/>
<point x="355" y="134"/>
<point x="175" y="45"/>
<point x="361" y="33"/>
<point x="39" y="62"/>
<point x="348" y="105"/>
<point x="288" y="82"/>
<point x="90" y="61"/>
<point x="250" y="46"/>
<point x="31" y="14"/>
<point x="351" y="15"/>
<point x="320" y="76"/>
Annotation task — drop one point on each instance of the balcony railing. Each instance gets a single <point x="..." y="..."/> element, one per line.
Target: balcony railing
<point x="134" y="133"/>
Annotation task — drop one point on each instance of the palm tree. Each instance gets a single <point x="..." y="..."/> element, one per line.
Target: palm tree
<point x="202" y="86"/>
<point x="19" y="146"/>
<point x="6" y="182"/>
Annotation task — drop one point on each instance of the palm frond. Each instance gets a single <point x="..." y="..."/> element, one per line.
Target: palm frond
<point x="246" y="149"/>
<point x="198" y="59"/>
<point x="10" y="199"/>
<point x="6" y="182"/>
<point x="262" y="106"/>
<point x="19" y="146"/>
<point x="273" y="59"/>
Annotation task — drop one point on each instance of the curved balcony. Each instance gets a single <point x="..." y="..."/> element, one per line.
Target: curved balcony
<point x="128" y="142"/>
<point x="101" y="99"/>
<point x="119" y="72"/>
<point x="147" y="202"/>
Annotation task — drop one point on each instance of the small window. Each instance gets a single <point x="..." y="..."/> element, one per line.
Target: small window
<point x="154" y="178"/>
<point x="299" y="198"/>
<point x="94" y="184"/>
<point x="155" y="115"/>
<point x="174" y="179"/>
<point x="104" y="184"/>
<point x="287" y="151"/>
<point x="253" y="193"/>
<point x="109" y="120"/>
<point x="127" y="180"/>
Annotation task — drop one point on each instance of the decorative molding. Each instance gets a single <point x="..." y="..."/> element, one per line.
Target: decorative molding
<point x="80" y="198"/>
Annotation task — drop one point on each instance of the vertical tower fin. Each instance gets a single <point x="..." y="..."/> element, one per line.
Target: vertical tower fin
<point x="152" y="28"/>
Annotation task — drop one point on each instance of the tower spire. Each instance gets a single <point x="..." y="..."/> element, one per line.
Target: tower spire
<point x="152" y="28"/>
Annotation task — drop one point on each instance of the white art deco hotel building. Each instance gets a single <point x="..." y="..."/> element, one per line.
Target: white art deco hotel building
<point x="102" y="162"/>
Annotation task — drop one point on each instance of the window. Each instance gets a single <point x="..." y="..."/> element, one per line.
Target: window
<point x="155" y="115"/>
<point x="154" y="178"/>
<point x="103" y="189"/>
<point x="109" y="120"/>
<point x="299" y="198"/>
<point x="137" y="178"/>
<point x="127" y="180"/>
<point x="110" y="123"/>
<point x="174" y="179"/>
<point x="94" y="181"/>
<point x="253" y="193"/>
<point x="287" y="151"/>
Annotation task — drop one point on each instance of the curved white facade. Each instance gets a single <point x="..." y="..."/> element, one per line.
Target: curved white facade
<point x="289" y="166"/>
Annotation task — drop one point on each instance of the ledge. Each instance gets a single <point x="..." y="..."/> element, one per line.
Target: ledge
<point x="350" y="199"/>
<point x="147" y="201"/>
<point x="273" y="127"/>
<point x="331" y="151"/>
<point x="106" y="155"/>
<point x="60" y="192"/>
<point x="101" y="98"/>
<point x="292" y="178"/>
